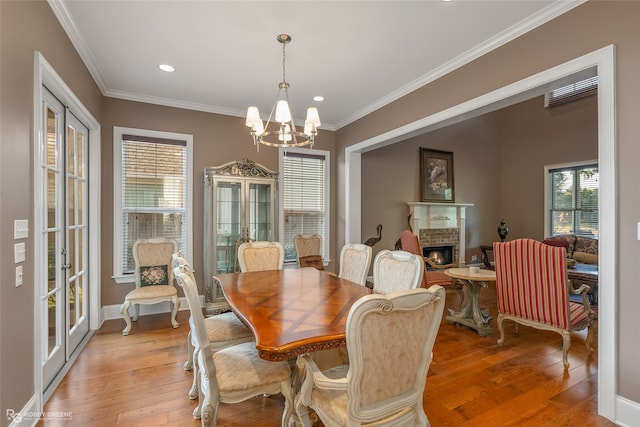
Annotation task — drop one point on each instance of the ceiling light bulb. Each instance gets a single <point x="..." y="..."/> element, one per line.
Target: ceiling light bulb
<point x="166" y="67"/>
<point x="318" y="98"/>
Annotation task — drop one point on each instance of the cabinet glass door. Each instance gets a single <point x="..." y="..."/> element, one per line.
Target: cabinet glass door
<point x="228" y="223"/>
<point x="260" y="211"/>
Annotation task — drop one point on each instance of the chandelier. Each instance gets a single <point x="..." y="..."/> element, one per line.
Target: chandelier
<point x="286" y="134"/>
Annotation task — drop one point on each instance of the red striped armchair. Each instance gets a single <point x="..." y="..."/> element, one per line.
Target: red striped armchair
<point x="532" y="289"/>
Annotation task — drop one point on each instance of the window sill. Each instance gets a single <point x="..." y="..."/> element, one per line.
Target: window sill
<point x="124" y="278"/>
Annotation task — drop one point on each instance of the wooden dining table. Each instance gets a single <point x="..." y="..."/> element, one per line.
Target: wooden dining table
<point x="292" y="311"/>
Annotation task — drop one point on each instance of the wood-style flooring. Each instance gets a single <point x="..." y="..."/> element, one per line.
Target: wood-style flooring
<point x="139" y="380"/>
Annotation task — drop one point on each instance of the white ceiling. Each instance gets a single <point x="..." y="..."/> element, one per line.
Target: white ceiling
<point x="359" y="55"/>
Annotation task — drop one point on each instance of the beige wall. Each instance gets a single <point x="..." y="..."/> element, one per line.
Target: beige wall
<point x="585" y="29"/>
<point x="498" y="167"/>
<point x="217" y="139"/>
<point x="25" y="27"/>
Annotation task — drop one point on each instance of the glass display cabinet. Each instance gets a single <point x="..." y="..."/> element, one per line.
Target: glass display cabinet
<point x="239" y="205"/>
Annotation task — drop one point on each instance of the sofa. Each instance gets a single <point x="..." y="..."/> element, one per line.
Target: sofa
<point x="584" y="250"/>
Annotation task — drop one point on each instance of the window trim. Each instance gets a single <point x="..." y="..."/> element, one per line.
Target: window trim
<point x="547" y="186"/>
<point x="326" y="239"/>
<point x="118" y="133"/>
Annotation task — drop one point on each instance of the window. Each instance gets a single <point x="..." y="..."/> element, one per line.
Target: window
<point x="304" y="197"/>
<point x="152" y="192"/>
<point x="572" y="199"/>
<point x="572" y="92"/>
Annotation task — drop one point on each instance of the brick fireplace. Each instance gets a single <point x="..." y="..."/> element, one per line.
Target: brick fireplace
<point x="440" y="224"/>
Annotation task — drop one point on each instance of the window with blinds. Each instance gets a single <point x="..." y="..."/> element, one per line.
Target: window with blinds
<point x="151" y="193"/>
<point x="573" y="200"/>
<point x="572" y="92"/>
<point x="304" y="197"/>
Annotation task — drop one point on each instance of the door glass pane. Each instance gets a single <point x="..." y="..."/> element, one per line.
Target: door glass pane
<point x="80" y="199"/>
<point x="72" y="304"/>
<point x="71" y="141"/>
<point x="80" y="261"/>
<point x="51" y="139"/>
<point x="71" y="202"/>
<point x="80" y="155"/>
<point x="51" y="324"/>
<point x="80" y="293"/>
<point x="71" y="253"/>
<point x="51" y="200"/>
<point x="51" y="261"/>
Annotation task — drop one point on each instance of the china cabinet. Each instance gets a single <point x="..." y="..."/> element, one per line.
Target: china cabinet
<point x="239" y="205"/>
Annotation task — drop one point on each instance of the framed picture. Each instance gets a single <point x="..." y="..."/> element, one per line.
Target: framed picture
<point x="436" y="175"/>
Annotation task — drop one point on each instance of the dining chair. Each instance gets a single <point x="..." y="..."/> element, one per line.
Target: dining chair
<point x="532" y="289"/>
<point x="390" y="340"/>
<point x="436" y="275"/>
<point x="223" y="330"/>
<point x="153" y="278"/>
<point x="396" y="270"/>
<point x="355" y="260"/>
<point x="233" y="374"/>
<point x="260" y="256"/>
<point x="308" y="250"/>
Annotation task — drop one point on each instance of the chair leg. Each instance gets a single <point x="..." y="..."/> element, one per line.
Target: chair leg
<point x="589" y="342"/>
<point x="136" y="312"/>
<point x="190" y="349"/>
<point x="566" y="343"/>
<point x="501" y="329"/>
<point x="285" y="389"/>
<point x="195" y="385"/>
<point x="176" y="306"/>
<point x="124" y="310"/>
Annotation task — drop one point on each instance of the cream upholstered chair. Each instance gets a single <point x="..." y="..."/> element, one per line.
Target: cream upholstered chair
<point x="223" y="330"/>
<point x="153" y="277"/>
<point x="396" y="270"/>
<point x="355" y="260"/>
<point x="308" y="250"/>
<point x="390" y="340"/>
<point x="260" y="256"/>
<point x="532" y="289"/>
<point x="235" y="373"/>
<point x="435" y="276"/>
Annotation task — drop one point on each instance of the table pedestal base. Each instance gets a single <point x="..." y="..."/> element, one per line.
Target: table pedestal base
<point x="471" y="315"/>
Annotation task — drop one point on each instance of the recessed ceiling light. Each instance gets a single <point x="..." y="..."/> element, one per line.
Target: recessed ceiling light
<point x="318" y="98"/>
<point x="166" y="67"/>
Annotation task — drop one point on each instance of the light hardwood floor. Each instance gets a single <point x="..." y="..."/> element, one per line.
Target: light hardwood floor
<point x="138" y="380"/>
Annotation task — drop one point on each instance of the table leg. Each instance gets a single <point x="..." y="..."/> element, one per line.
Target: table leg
<point x="471" y="314"/>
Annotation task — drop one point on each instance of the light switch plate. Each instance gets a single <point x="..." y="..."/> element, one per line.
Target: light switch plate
<point x="19" y="252"/>
<point x="20" y="229"/>
<point x="18" y="276"/>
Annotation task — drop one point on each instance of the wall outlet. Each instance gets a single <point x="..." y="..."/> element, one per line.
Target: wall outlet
<point x="474" y="258"/>
<point x="18" y="276"/>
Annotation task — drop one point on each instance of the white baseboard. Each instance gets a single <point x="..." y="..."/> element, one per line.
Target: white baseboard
<point x="110" y="312"/>
<point x="627" y="412"/>
<point x="28" y="416"/>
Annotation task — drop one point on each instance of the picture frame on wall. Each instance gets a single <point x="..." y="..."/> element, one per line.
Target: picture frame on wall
<point x="436" y="176"/>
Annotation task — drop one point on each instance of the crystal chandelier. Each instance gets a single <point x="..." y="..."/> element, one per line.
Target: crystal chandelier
<point x="286" y="134"/>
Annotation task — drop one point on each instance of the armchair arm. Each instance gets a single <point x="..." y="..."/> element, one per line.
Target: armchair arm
<point x="435" y="266"/>
<point x="320" y="380"/>
<point x="582" y="290"/>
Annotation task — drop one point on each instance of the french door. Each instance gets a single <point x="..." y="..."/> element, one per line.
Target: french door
<point x="64" y="288"/>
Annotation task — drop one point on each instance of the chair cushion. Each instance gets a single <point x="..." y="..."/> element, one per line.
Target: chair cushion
<point x="151" y="275"/>
<point x="578" y="317"/>
<point x="240" y="368"/>
<point x="224" y="327"/>
<point x="150" y="292"/>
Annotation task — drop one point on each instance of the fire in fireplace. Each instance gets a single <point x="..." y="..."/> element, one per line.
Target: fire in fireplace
<point x="439" y="254"/>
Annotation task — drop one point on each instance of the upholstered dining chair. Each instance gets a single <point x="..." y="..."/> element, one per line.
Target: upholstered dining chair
<point x="223" y="330"/>
<point x="260" y="256"/>
<point x="371" y="389"/>
<point x="435" y="276"/>
<point x="153" y="278"/>
<point x="532" y="289"/>
<point x="355" y="260"/>
<point x="308" y="250"/>
<point x="233" y="374"/>
<point x="396" y="271"/>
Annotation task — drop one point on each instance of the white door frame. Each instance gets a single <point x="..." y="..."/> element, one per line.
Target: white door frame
<point x="44" y="74"/>
<point x="610" y="405"/>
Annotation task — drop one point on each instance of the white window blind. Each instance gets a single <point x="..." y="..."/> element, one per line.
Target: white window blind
<point x="153" y="192"/>
<point x="304" y="186"/>
<point x="572" y="92"/>
<point x="573" y="200"/>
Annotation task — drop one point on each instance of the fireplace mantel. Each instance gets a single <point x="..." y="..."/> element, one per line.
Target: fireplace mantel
<point x="440" y="216"/>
